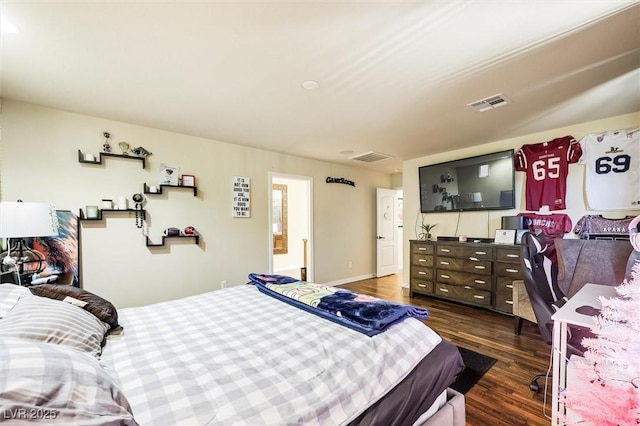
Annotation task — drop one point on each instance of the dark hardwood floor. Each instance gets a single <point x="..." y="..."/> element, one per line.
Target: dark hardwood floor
<point x="502" y="396"/>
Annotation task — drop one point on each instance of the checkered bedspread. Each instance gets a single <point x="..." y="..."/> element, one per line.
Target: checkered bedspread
<point x="237" y="356"/>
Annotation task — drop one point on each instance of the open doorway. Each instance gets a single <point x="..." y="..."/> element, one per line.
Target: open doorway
<point x="290" y="226"/>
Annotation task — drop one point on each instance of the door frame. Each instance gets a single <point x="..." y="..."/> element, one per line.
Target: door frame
<point x="309" y="183"/>
<point x="381" y="242"/>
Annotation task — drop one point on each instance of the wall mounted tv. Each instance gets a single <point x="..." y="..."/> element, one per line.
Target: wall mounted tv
<point x="484" y="182"/>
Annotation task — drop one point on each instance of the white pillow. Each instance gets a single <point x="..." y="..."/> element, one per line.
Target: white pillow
<point x="47" y="320"/>
<point x="49" y="385"/>
<point x="9" y="295"/>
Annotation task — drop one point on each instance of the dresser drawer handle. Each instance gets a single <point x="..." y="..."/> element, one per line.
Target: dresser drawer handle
<point x="444" y="290"/>
<point x="481" y="252"/>
<point x="479" y="282"/>
<point x="444" y="250"/>
<point x="478" y="296"/>
<point x="474" y="259"/>
<point x="443" y="262"/>
<point x="422" y="285"/>
<point x="468" y="287"/>
<point x="422" y="248"/>
<point x="422" y="260"/>
<point x="509" y="302"/>
<point x="513" y="270"/>
<point x="479" y="267"/>
<point x="509" y="286"/>
<point x="445" y="276"/>
<point x="422" y="273"/>
<point x="513" y="255"/>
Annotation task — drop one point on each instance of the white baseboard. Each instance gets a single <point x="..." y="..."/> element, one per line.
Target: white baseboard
<point x="349" y="280"/>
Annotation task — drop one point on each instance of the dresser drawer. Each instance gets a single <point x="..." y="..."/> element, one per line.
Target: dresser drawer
<point x="421" y="248"/>
<point x="467" y="252"/>
<point x="475" y="267"/>
<point x="449" y="251"/>
<point x="504" y="302"/>
<point x="479" y="253"/>
<point x="421" y="273"/>
<point x="504" y="254"/>
<point x="511" y="270"/>
<point x="422" y="260"/>
<point x="482" y="282"/>
<point x="504" y="285"/>
<point x="477" y="297"/>
<point x="423" y="287"/>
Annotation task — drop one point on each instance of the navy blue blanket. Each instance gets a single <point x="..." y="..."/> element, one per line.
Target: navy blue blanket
<point x="359" y="312"/>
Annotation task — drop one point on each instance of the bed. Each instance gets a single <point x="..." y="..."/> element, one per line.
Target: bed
<point x="232" y="356"/>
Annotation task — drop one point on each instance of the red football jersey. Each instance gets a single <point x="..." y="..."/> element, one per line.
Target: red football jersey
<point x="547" y="166"/>
<point x="553" y="226"/>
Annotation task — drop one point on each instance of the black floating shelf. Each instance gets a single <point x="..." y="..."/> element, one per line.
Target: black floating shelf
<point x="196" y="237"/>
<point x="101" y="211"/>
<point x="108" y="154"/>
<point x="161" y="188"/>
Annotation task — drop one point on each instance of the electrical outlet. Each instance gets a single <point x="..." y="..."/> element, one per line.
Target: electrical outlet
<point x="350" y="264"/>
<point x="223" y="284"/>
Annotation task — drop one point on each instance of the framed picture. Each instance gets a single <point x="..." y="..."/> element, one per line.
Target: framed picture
<point x="188" y="180"/>
<point x="169" y="175"/>
<point x="505" y="236"/>
<point x="60" y="254"/>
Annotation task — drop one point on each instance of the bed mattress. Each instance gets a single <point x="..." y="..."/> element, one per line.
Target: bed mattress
<point x="240" y="357"/>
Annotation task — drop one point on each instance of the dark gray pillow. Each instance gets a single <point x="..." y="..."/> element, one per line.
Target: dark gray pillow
<point x="101" y="308"/>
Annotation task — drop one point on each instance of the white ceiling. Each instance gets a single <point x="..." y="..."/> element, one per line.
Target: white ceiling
<point x="394" y="76"/>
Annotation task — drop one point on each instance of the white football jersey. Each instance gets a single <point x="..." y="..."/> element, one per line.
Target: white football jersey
<point x="612" y="180"/>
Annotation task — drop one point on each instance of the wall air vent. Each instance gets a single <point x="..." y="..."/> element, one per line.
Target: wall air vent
<point x="370" y="157"/>
<point x="491" y="102"/>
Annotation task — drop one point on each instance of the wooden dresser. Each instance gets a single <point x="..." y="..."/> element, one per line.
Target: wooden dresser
<point x="479" y="274"/>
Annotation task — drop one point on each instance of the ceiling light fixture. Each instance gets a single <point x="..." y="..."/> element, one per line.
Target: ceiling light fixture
<point x="310" y="84"/>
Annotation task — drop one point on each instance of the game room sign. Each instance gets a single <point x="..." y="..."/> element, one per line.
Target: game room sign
<point x="340" y="180"/>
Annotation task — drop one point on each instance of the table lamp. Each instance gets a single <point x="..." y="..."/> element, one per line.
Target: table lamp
<point x="21" y="220"/>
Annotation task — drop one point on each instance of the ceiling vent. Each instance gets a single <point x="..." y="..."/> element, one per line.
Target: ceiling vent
<point x="491" y="102"/>
<point x="370" y="157"/>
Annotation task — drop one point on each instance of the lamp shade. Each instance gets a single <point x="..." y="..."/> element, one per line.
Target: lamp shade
<point x="20" y="220"/>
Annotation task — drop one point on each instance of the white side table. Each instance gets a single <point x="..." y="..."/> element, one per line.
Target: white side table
<point x="565" y="316"/>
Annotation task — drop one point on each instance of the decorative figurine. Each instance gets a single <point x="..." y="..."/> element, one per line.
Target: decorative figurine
<point x="140" y="151"/>
<point x="189" y="230"/>
<point x="124" y="147"/>
<point x="106" y="147"/>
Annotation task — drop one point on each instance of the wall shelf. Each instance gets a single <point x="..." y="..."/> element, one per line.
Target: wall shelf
<point x="108" y="154"/>
<point x="139" y="213"/>
<point x="161" y="188"/>
<point x="196" y="238"/>
<point x="101" y="211"/>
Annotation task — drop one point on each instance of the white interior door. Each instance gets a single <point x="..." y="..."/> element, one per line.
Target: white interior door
<point x="387" y="224"/>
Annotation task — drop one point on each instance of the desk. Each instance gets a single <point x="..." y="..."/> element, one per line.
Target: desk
<point x="567" y="315"/>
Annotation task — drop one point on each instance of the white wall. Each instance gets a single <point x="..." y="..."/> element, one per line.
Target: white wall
<point x="484" y="224"/>
<point x="40" y="163"/>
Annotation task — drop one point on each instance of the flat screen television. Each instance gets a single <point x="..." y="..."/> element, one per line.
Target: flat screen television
<point x="484" y="182"/>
